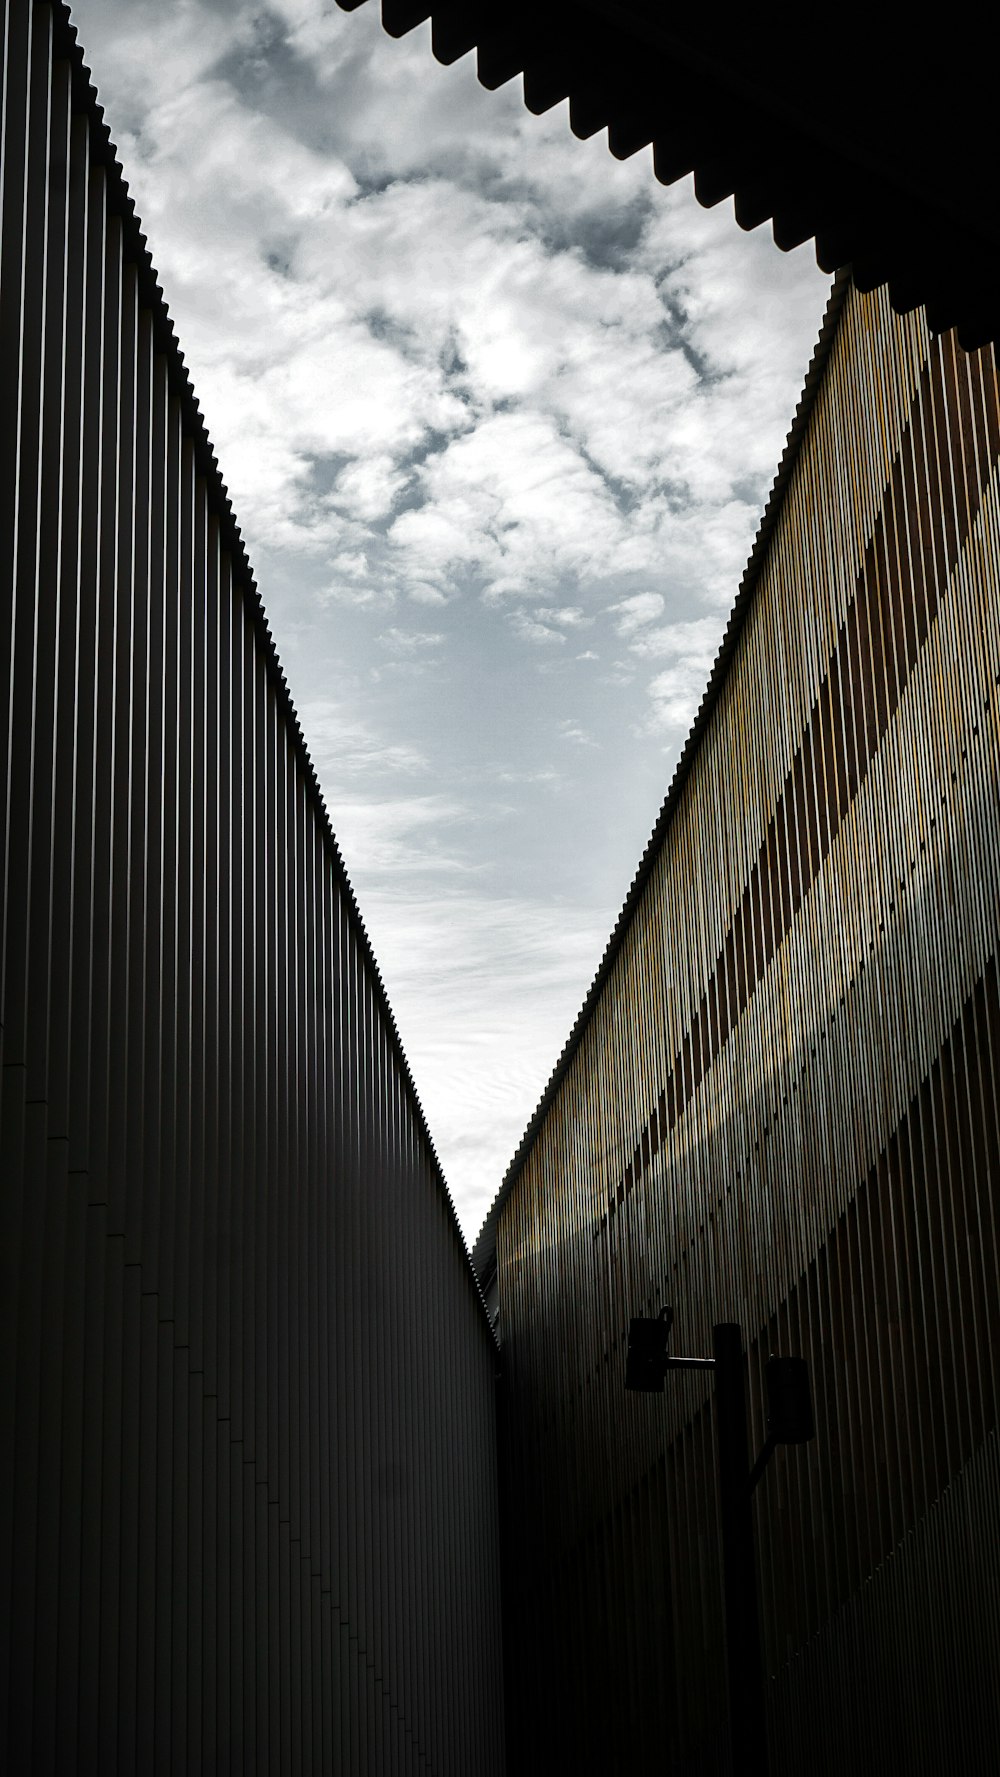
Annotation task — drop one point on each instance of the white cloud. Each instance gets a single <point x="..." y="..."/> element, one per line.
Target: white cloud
<point x="344" y="747"/>
<point x="368" y="488"/>
<point x="527" y="626"/>
<point x="696" y="640"/>
<point x="570" y="730"/>
<point x="413" y="641"/>
<point x="500" y="979"/>
<point x="567" y="616"/>
<point x="677" y="690"/>
<point x="424" y="594"/>
<point x="513" y="504"/>
<point x="400" y="836"/>
<point x="634" y="612"/>
<point x="544" y="776"/>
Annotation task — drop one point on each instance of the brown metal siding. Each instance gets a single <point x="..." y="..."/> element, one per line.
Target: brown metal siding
<point x="247" y="1440"/>
<point x="782" y="1109"/>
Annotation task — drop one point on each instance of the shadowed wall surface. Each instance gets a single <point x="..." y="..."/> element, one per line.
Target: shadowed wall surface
<point x="779" y="1107"/>
<point x="247" y="1437"/>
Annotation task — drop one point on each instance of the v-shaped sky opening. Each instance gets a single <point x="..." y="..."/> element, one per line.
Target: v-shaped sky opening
<point x="498" y="415"/>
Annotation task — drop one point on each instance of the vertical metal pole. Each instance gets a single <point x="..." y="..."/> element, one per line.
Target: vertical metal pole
<point x="743" y="1655"/>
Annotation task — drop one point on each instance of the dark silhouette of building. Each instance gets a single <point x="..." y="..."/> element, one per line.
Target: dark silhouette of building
<point x="247" y="1437"/>
<point x="779" y="1108"/>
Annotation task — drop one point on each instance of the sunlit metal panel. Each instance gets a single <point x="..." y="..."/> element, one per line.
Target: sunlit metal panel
<point x="779" y="1107"/>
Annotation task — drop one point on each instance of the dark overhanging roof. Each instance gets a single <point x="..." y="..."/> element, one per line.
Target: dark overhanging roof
<point x="864" y="131"/>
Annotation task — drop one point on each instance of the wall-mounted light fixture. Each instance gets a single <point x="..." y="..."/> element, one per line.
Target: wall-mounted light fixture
<point x="789" y="1421"/>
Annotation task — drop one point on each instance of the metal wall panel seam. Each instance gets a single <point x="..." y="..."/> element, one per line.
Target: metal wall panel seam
<point x="25" y="1425"/>
<point x="190" y="1331"/>
<point x="28" y="230"/>
<point x="49" y="983"/>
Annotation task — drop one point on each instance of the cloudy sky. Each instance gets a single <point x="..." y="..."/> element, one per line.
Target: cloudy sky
<point x="498" y="415"/>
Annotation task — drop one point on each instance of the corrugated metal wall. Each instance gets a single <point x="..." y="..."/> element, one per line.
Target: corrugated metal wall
<point x="247" y="1438"/>
<point x="782" y="1109"/>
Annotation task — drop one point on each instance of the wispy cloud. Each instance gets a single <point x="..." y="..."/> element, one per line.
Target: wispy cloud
<point x="677" y="689"/>
<point x="412" y="641"/>
<point x="500" y="981"/>
<point x="343" y="746"/>
<point x="401" y="836"/>
<point x="572" y="731"/>
<point x="633" y="613"/>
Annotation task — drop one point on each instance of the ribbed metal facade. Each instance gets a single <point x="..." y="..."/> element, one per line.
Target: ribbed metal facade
<point x="780" y="1107"/>
<point x="247" y="1438"/>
